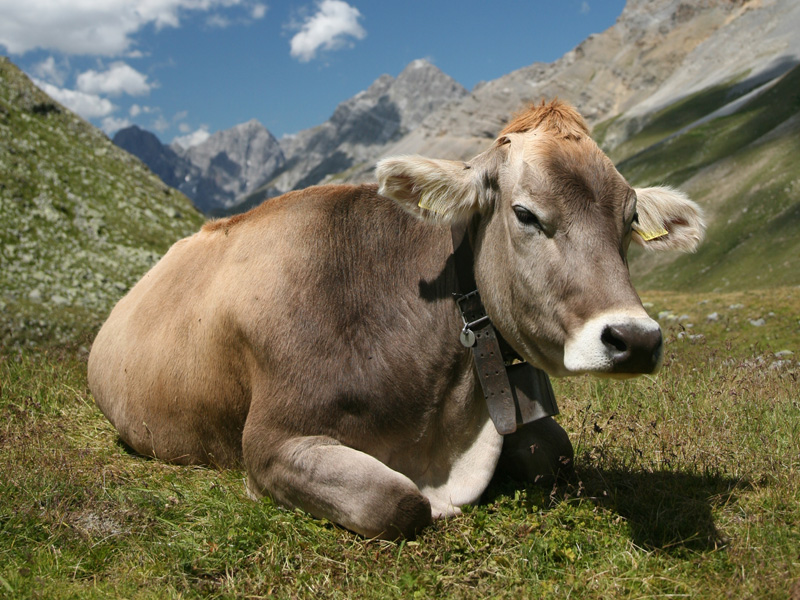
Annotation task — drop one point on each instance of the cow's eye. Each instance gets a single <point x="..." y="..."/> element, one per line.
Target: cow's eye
<point x="526" y="217"/>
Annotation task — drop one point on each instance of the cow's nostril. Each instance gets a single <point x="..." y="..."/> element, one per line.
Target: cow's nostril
<point x="631" y="348"/>
<point x="614" y="339"/>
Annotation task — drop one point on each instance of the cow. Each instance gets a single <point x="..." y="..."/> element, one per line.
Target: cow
<point x="314" y="340"/>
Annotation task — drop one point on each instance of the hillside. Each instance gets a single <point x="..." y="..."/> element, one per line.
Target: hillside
<point x="744" y="169"/>
<point x="703" y="96"/>
<point x="82" y="219"/>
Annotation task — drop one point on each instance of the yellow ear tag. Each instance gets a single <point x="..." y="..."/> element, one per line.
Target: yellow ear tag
<point x="425" y="203"/>
<point x="648" y="236"/>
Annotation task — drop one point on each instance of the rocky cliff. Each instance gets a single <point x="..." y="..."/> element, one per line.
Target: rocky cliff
<point x="230" y="164"/>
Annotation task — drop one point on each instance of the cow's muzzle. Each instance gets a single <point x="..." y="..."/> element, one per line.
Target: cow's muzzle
<point x="615" y="344"/>
<point x="633" y="349"/>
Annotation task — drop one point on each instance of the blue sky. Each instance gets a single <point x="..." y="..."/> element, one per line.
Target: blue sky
<point x="187" y="68"/>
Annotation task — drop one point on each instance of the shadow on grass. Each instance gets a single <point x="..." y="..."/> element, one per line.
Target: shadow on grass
<point x="665" y="510"/>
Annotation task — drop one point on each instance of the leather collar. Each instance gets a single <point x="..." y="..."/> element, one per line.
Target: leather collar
<point x="516" y="392"/>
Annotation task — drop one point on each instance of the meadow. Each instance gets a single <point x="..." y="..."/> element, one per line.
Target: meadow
<point x="687" y="485"/>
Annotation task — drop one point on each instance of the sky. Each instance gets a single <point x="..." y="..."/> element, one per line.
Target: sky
<point x="184" y="69"/>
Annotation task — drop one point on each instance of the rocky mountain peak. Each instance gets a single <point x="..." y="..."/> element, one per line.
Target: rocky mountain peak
<point x="422" y="88"/>
<point x="230" y="163"/>
<point x="171" y="168"/>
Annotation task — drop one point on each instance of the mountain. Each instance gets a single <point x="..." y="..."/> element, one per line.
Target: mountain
<point x="162" y="160"/>
<point x="701" y="95"/>
<point x="82" y="219"/>
<point x="214" y="173"/>
<point x="235" y="169"/>
<point x="229" y="165"/>
<point x="362" y="126"/>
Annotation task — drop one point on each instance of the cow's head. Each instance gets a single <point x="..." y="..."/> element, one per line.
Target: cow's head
<point x="555" y="220"/>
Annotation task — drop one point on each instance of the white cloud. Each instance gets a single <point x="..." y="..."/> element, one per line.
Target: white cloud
<point x="192" y="139"/>
<point x="218" y="21"/>
<point x="94" y="27"/>
<point x="51" y="72"/>
<point x="585" y="8"/>
<point x="258" y="11"/>
<point x="328" y="28"/>
<point x="117" y="80"/>
<point x="160" y="124"/>
<point x="255" y="11"/>
<point x="113" y="124"/>
<point x="136" y="109"/>
<point x="89" y="106"/>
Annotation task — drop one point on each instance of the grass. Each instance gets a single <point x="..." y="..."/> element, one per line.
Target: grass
<point x="688" y="485"/>
<point x="82" y="219"/>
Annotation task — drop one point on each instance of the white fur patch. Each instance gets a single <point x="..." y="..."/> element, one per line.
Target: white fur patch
<point x="469" y="475"/>
<point x="585" y="351"/>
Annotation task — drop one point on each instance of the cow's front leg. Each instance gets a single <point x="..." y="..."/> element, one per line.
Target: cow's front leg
<point x="539" y="452"/>
<point x="335" y="482"/>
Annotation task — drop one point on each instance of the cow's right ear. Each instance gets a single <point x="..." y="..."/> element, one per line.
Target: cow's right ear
<point x="434" y="190"/>
<point x="444" y="191"/>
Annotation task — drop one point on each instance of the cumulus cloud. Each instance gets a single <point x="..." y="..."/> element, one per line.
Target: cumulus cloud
<point x="585" y="8"/>
<point x="89" y="106"/>
<point x="95" y="27"/>
<point x="113" y="124"/>
<point x="119" y="79"/>
<point x="329" y="29"/>
<point x="48" y="70"/>
<point x="192" y="139"/>
<point x="160" y="124"/>
<point x="255" y="12"/>
<point x="218" y="21"/>
<point x="135" y="110"/>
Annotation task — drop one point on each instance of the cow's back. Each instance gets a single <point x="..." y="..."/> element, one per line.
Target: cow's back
<point x="330" y="304"/>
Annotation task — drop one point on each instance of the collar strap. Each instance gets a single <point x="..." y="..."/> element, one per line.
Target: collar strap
<point x="516" y="392"/>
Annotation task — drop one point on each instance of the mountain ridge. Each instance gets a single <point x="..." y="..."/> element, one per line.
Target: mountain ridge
<point x="665" y="75"/>
<point x="224" y="170"/>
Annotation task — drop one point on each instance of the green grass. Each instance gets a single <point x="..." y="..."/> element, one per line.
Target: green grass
<point x="82" y="219"/>
<point x="688" y="485"/>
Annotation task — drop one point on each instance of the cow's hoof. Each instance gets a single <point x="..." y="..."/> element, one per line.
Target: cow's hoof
<point x="539" y="452"/>
<point x="411" y="515"/>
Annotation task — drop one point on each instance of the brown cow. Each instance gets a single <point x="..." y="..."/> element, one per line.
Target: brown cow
<point x="315" y="341"/>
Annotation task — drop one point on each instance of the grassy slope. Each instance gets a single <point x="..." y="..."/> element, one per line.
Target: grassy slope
<point x="688" y="486"/>
<point x="744" y="169"/>
<point x="82" y="220"/>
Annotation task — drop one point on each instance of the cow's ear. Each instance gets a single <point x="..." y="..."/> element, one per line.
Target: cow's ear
<point x="668" y="220"/>
<point x="444" y="191"/>
<point x="437" y="190"/>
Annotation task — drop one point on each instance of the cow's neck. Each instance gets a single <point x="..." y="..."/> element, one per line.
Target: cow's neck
<point x="516" y="392"/>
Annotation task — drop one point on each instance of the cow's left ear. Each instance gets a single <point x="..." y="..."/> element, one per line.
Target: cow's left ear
<point x="668" y="220"/>
<point x="443" y="191"/>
